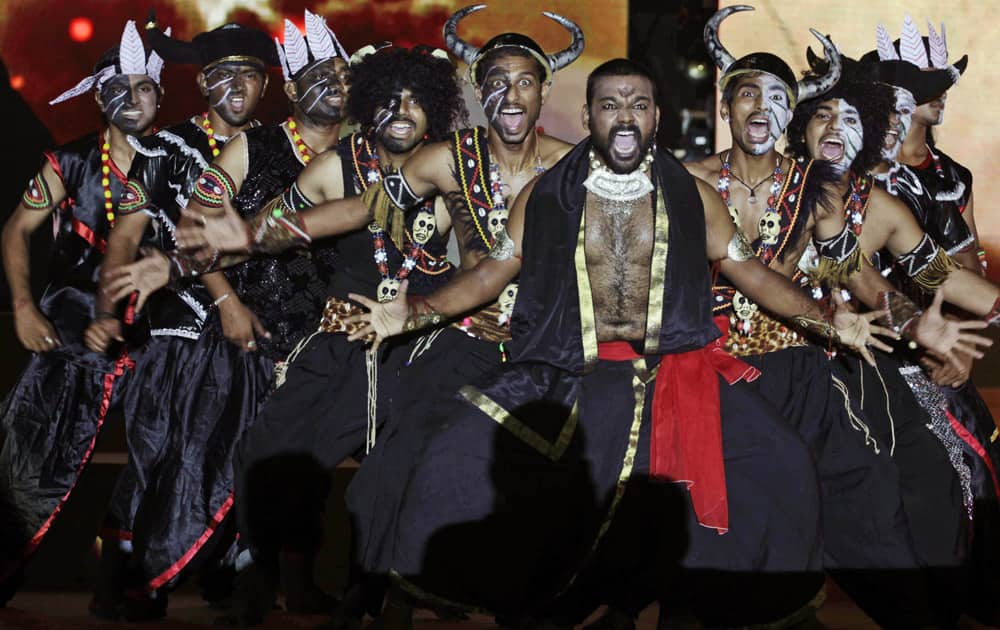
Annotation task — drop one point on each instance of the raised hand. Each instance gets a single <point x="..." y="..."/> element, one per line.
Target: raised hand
<point x="34" y="331"/>
<point x="944" y="337"/>
<point x="145" y="276"/>
<point x="384" y="319"/>
<point x="226" y="232"/>
<point x="857" y="331"/>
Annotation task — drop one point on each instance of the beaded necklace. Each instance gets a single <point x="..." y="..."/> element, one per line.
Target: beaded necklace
<point x="413" y="249"/>
<point x="770" y="213"/>
<point x="305" y="154"/>
<point x="207" y="126"/>
<point x="854" y="209"/>
<point x="937" y="161"/>
<point x="106" y="171"/>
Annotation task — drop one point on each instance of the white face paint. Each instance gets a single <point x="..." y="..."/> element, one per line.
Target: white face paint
<point x="899" y="124"/>
<point x="758" y="112"/>
<point x="835" y="133"/>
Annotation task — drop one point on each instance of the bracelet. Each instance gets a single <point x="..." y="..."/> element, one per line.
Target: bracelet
<point x="817" y="326"/>
<point x="219" y="300"/>
<point x="902" y="312"/>
<point x="422" y="315"/>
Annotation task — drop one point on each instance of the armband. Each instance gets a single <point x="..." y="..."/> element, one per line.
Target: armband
<point x="37" y="195"/>
<point x="927" y="265"/>
<point x="817" y="326"/>
<point x="839" y="257"/>
<point x="211" y="185"/>
<point x="993" y="317"/>
<point x="739" y="249"/>
<point x="503" y="246"/>
<point x="386" y="202"/>
<point x="422" y="315"/>
<point x="134" y="198"/>
<point x="276" y="228"/>
<point x="901" y="311"/>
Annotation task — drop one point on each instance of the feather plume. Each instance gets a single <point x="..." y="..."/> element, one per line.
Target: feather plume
<point x="131" y="52"/>
<point x="83" y="86"/>
<point x="296" y="52"/>
<point x="911" y="44"/>
<point x="154" y="65"/>
<point x="886" y="51"/>
<point x="938" y="46"/>
<point x="318" y="37"/>
<point x="284" y="60"/>
<point x="336" y="42"/>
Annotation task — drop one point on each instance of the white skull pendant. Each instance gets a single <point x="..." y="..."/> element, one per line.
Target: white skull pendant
<point x="506" y="302"/>
<point x="744" y="308"/>
<point x="769" y="227"/>
<point x="497" y="221"/>
<point x="424" y="226"/>
<point x="387" y="290"/>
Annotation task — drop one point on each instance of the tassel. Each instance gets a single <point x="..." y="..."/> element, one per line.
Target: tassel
<point x="832" y="272"/>
<point x="932" y="276"/>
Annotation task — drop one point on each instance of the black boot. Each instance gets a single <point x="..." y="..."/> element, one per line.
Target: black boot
<point x="112" y="572"/>
<point x="254" y="595"/>
<point x="302" y="596"/>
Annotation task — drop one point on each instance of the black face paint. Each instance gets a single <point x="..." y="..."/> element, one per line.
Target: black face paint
<point x="129" y="104"/>
<point x="390" y="114"/>
<point x="322" y="96"/>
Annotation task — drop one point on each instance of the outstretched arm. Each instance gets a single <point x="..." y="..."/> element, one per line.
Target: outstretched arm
<point x="466" y="291"/>
<point x="775" y="292"/>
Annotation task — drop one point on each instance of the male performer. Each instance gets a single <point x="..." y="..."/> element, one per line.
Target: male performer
<point x="948" y="182"/>
<point x="758" y="95"/>
<point x="613" y="287"/>
<point x="53" y="415"/>
<point x="232" y="61"/>
<point x="336" y="394"/>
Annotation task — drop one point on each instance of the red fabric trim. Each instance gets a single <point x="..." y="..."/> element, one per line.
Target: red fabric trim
<point x="83" y="230"/>
<point x="54" y="163"/>
<point x="116" y="534"/>
<point x="121" y="364"/>
<point x="926" y="163"/>
<point x="974" y="444"/>
<point x="686" y="437"/>
<point x="183" y="561"/>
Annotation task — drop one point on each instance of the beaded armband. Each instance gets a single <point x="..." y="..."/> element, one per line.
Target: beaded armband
<point x="387" y="200"/>
<point x="817" y="326"/>
<point x="739" y="249"/>
<point x="294" y="200"/>
<point x="37" y="195"/>
<point x="993" y="317"/>
<point x="927" y="265"/>
<point x="134" y="198"/>
<point x="275" y="229"/>
<point x="211" y="185"/>
<point x="902" y="312"/>
<point x="503" y="246"/>
<point x="839" y="257"/>
<point x="422" y="315"/>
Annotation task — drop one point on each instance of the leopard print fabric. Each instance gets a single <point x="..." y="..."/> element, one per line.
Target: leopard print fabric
<point x="335" y="315"/>
<point x="768" y="335"/>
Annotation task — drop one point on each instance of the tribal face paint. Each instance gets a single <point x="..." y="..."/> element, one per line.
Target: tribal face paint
<point x="129" y="102"/>
<point x="899" y="124"/>
<point x="511" y="94"/>
<point x="322" y="91"/>
<point x="835" y="133"/>
<point x="931" y="114"/>
<point x="401" y="123"/>
<point x="233" y="90"/>
<point x="758" y="112"/>
<point x="622" y="120"/>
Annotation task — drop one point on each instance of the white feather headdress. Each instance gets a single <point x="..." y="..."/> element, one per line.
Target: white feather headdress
<point x="319" y="44"/>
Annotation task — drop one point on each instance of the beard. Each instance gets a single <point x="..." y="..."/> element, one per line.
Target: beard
<point x="393" y="144"/>
<point x="620" y="153"/>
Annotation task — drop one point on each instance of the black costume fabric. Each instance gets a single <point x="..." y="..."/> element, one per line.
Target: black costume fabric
<point x="525" y="473"/>
<point x="53" y="415"/>
<point x="320" y="415"/>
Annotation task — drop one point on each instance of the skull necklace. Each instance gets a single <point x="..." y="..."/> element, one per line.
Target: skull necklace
<point x="769" y="226"/>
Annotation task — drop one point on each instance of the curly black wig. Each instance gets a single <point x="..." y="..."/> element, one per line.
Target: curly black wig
<point x="432" y="79"/>
<point x="874" y="101"/>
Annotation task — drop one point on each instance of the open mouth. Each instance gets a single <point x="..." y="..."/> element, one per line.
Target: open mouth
<point x="237" y="103"/>
<point x="333" y="99"/>
<point x="759" y="129"/>
<point x="132" y="114"/>
<point x="625" y="143"/>
<point x="511" y="119"/>
<point x="401" y="128"/>
<point x="832" y="149"/>
<point x="891" y="138"/>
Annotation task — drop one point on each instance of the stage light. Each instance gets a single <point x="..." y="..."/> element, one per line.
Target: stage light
<point x="81" y="29"/>
<point x="17" y="81"/>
